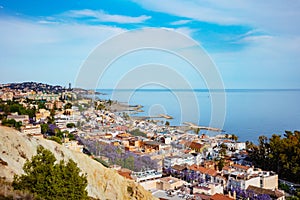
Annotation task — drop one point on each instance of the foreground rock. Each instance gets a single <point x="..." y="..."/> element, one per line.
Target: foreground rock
<point x="103" y="183"/>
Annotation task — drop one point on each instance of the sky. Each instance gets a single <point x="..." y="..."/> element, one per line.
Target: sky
<point x="253" y="44"/>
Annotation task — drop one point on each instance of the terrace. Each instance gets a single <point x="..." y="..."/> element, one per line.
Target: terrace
<point x="146" y="175"/>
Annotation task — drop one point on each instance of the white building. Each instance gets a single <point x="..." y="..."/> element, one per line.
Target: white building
<point x="240" y="145"/>
<point x="178" y="160"/>
<point x="209" y="189"/>
<point x="146" y="175"/>
<point x="243" y="176"/>
<point x="239" y="180"/>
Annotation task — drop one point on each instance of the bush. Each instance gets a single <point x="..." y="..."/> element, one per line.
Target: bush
<point x="56" y="139"/>
<point x="137" y="132"/>
<point x="71" y="136"/>
<point x="12" y="123"/>
<point x="71" y="125"/>
<point x="49" y="180"/>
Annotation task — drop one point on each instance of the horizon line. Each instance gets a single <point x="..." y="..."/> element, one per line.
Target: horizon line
<point x="201" y="89"/>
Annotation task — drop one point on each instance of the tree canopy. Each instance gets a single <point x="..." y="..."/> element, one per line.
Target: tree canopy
<point x="138" y="132"/>
<point x="50" y="180"/>
<point x="281" y="155"/>
<point x="12" y="123"/>
<point x="71" y="125"/>
<point x="68" y="106"/>
<point x="12" y="107"/>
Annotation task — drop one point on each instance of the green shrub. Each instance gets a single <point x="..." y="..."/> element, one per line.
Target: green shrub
<point x="49" y="180"/>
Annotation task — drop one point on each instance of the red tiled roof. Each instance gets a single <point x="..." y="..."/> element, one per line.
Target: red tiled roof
<point x="195" y="167"/>
<point x="187" y="151"/>
<point x="195" y="145"/>
<point x="211" y="172"/>
<point x="209" y="162"/>
<point x="202" y="196"/>
<point x="192" y="167"/>
<point x="274" y="194"/>
<point x="241" y="167"/>
<point x="203" y="170"/>
<point x="220" y="197"/>
<point x="179" y="167"/>
<point x="226" y="168"/>
<point x="123" y="135"/>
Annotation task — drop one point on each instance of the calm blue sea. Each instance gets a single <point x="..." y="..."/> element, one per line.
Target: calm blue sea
<point x="249" y="113"/>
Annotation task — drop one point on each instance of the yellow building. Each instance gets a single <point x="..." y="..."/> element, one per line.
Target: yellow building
<point x="31" y="129"/>
<point x="168" y="183"/>
<point x="269" y="180"/>
<point x="42" y="114"/>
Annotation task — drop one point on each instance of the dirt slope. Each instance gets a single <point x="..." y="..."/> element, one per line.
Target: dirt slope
<point x="103" y="183"/>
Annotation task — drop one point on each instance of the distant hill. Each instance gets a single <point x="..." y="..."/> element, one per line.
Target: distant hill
<point x="103" y="183"/>
<point x="38" y="87"/>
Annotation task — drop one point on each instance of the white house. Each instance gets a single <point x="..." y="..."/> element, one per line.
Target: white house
<point x="178" y="160"/>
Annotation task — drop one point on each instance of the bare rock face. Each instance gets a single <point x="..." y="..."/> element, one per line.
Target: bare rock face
<point x="103" y="183"/>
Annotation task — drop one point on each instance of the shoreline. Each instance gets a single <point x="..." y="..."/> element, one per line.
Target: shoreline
<point x="124" y="107"/>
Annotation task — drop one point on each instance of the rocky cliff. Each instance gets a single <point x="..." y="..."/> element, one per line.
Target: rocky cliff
<point x="103" y="183"/>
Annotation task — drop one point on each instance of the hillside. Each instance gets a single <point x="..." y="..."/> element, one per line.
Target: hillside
<point x="103" y="183"/>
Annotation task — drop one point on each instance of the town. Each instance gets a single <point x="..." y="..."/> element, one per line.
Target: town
<point x="173" y="162"/>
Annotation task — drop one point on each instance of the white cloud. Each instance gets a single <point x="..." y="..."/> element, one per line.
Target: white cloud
<point x="47" y="22"/>
<point x="252" y="37"/>
<point x="256" y="38"/>
<point x="104" y="17"/>
<point x="20" y="32"/>
<point x="47" y="52"/>
<point x="271" y="16"/>
<point x="181" y="22"/>
<point x="196" y="10"/>
<point x="187" y="31"/>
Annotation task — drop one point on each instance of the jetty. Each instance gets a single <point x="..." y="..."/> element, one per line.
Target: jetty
<point x="194" y="126"/>
<point x="165" y="116"/>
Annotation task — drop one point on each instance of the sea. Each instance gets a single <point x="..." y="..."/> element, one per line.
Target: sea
<point x="247" y="113"/>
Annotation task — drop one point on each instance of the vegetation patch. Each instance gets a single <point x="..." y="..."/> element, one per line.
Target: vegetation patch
<point x="48" y="180"/>
<point x="279" y="154"/>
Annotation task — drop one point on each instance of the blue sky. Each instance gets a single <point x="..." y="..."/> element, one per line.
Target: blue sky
<point x="254" y="44"/>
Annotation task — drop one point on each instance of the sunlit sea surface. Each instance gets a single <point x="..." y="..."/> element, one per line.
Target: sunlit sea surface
<point x="249" y="113"/>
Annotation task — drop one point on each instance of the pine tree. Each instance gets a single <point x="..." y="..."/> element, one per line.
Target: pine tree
<point x="49" y="180"/>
